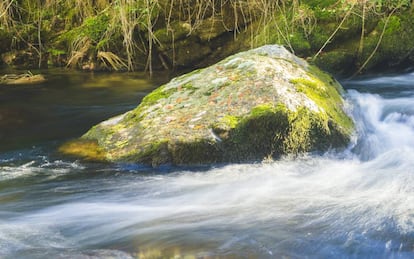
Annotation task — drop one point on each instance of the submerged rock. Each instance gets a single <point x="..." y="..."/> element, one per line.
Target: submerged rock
<point x="257" y="104"/>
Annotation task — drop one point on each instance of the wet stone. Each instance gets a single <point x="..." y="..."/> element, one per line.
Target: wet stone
<point x="262" y="103"/>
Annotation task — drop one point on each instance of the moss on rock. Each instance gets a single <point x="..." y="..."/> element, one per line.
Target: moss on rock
<point x="339" y="61"/>
<point x="175" y="31"/>
<point x="87" y="149"/>
<point x="395" y="39"/>
<point x="259" y="134"/>
<point x="260" y="103"/>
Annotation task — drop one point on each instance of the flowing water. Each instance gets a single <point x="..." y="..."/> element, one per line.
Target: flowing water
<point x="358" y="203"/>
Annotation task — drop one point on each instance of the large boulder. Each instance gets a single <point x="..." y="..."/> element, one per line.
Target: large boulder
<point x="262" y="103"/>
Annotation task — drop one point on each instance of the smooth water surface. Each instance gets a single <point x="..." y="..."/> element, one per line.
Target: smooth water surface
<point x="358" y="203"/>
<point x="66" y="105"/>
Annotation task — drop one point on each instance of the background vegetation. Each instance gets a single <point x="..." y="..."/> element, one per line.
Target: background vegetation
<point x="147" y="34"/>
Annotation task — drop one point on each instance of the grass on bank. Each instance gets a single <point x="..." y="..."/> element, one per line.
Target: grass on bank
<point x="120" y="34"/>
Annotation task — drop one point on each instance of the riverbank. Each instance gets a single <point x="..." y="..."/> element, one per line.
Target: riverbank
<point x="342" y="37"/>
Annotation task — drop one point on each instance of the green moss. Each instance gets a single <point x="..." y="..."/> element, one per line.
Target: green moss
<point x="298" y="139"/>
<point x="86" y="149"/>
<point x="93" y="27"/>
<point x="175" y="31"/>
<point x="110" y="137"/>
<point x="225" y="125"/>
<point x="152" y="98"/>
<point x="327" y="79"/>
<point x="230" y="121"/>
<point x="308" y="131"/>
<point x="328" y="98"/>
<point x="320" y="35"/>
<point x="314" y="4"/>
<point x="258" y="134"/>
<point x="56" y="52"/>
<point x="395" y="44"/>
<point x="96" y="132"/>
<point x="305" y="82"/>
<point x="155" y="154"/>
<point x="300" y="44"/>
<point x="190" y="87"/>
<point x="393" y="25"/>
<point x="261" y="110"/>
<point x="339" y="61"/>
<point x="328" y="34"/>
<point x="184" y="153"/>
<point x="272" y="131"/>
<point x="156" y="95"/>
<point x="389" y="5"/>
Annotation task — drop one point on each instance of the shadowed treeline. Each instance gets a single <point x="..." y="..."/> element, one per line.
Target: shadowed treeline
<point x="170" y="34"/>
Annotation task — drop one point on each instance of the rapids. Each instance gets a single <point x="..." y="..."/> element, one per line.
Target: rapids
<point x="357" y="203"/>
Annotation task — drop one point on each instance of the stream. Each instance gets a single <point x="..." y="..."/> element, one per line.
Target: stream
<point x="357" y="203"/>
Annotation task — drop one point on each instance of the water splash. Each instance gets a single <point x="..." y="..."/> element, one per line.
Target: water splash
<point x="353" y="205"/>
<point x="268" y="210"/>
<point x="383" y="124"/>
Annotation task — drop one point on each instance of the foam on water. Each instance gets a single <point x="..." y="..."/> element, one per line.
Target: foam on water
<point x="359" y="203"/>
<point x="34" y="168"/>
<point x="397" y="80"/>
<point x="383" y="124"/>
<point x="352" y="207"/>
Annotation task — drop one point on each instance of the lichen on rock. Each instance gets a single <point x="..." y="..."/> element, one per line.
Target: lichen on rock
<point x="261" y="103"/>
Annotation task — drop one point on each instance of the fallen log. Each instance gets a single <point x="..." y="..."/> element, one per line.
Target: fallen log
<point x="20" y="79"/>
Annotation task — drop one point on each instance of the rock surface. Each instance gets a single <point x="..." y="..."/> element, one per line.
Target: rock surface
<point x="257" y="104"/>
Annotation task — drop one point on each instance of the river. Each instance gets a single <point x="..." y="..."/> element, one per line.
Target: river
<point x="357" y="203"/>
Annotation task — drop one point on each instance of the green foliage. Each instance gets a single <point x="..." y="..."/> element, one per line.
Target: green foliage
<point x="320" y="3"/>
<point x="393" y="25"/>
<point x="130" y="28"/>
<point x="336" y="61"/>
<point x="299" y="43"/>
<point x="95" y="27"/>
<point x="391" y="4"/>
<point x="394" y="46"/>
<point x="56" y="52"/>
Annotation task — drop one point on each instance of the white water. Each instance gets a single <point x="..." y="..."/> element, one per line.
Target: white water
<point x="355" y="204"/>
